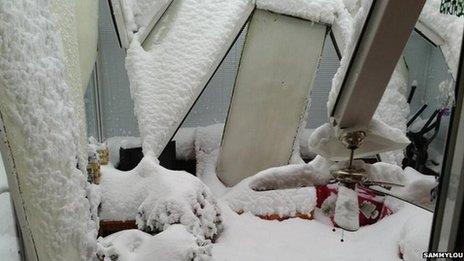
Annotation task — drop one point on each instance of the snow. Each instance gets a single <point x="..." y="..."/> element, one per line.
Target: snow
<point x="157" y="197"/>
<point x="293" y="175"/>
<point x="305" y="150"/>
<point x="93" y="146"/>
<point x="380" y="137"/>
<point x="414" y="236"/>
<point x="175" y="243"/>
<point x="209" y="138"/>
<point x="241" y="197"/>
<point x="393" y="108"/>
<point x="347" y="209"/>
<point x="385" y="172"/>
<point x="94" y="196"/>
<point x="350" y="27"/>
<point x="249" y="238"/>
<point x="42" y="130"/>
<point x="9" y="247"/>
<point x="117" y="142"/>
<point x="284" y="203"/>
<point x="449" y="27"/>
<point x="168" y="73"/>
<point x="418" y="188"/>
<point x="289" y="201"/>
<point x="185" y="147"/>
<point x="65" y="12"/>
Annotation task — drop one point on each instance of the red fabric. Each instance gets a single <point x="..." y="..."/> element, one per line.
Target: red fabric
<point x="374" y="204"/>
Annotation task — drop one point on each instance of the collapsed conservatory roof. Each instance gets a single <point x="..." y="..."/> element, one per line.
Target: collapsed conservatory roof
<point x="169" y="70"/>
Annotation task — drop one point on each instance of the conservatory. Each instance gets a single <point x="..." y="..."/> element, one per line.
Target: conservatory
<point x="231" y="130"/>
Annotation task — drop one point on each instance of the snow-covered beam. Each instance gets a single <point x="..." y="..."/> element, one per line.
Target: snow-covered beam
<point x="379" y="48"/>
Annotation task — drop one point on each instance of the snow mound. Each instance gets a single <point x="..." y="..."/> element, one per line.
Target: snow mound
<point x="175" y="243"/>
<point x="208" y="138"/>
<point x="157" y="197"/>
<point x="185" y="147"/>
<point x="418" y="188"/>
<point x="117" y="142"/>
<point x="314" y="173"/>
<point x="414" y="237"/>
<point x="241" y="197"/>
<point x="347" y="209"/>
<point x="284" y="203"/>
<point x="179" y="57"/>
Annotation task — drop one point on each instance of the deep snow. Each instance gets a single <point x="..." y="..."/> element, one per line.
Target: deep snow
<point x="247" y="237"/>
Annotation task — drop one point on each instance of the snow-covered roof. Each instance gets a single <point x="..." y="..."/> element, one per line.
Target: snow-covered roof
<point x="168" y="73"/>
<point x="172" y="67"/>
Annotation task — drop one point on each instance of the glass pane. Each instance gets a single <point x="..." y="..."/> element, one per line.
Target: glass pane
<point x="419" y="101"/>
<point x="91" y="112"/>
<point x="117" y="107"/>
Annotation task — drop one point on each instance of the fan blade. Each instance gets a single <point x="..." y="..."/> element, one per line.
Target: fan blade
<point x="383" y="192"/>
<point x="368" y="183"/>
<point x="347" y="209"/>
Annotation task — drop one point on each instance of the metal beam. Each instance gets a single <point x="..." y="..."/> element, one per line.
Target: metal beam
<point x="378" y="50"/>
